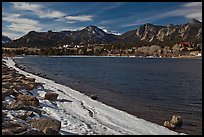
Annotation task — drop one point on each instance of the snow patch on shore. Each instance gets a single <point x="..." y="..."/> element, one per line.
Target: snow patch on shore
<point x="80" y="115"/>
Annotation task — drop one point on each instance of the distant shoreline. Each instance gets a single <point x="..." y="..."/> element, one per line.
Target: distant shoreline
<point x="179" y="57"/>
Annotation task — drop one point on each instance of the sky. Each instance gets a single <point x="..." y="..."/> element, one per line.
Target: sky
<point x="18" y="18"/>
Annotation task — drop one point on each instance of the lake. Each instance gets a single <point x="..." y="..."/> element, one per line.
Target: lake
<point x="153" y="89"/>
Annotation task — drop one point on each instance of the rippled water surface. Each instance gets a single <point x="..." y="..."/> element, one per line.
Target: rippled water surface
<point x="150" y="88"/>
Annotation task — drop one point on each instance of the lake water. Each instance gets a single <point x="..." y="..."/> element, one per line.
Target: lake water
<point x="150" y="88"/>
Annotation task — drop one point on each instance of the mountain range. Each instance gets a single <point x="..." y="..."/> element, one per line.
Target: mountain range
<point x="191" y="31"/>
<point x="146" y="34"/>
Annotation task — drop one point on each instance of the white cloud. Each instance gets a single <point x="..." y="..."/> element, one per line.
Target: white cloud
<point x="12" y="35"/>
<point x="79" y="18"/>
<point x="50" y="14"/>
<point x="70" y="22"/>
<point x="15" y="18"/>
<point x="26" y="6"/>
<point x="23" y="27"/>
<point x="44" y="12"/>
<point x="196" y="15"/>
<point x="19" y="25"/>
<point x="194" y="4"/>
<point x="193" y="10"/>
<point x="138" y="22"/>
<point x="105" y="22"/>
<point x="189" y="10"/>
<point x="114" y="5"/>
<point x="39" y="10"/>
<point x="73" y="28"/>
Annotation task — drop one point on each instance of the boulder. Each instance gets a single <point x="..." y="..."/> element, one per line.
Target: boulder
<point x="169" y="125"/>
<point x="11" y="80"/>
<point x="22" y="116"/>
<point x="13" y="127"/>
<point x="30" y="79"/>
<point x="6" y="85"/>
<point x="31" y="114"/>
<point x="6" y="92"/>
<point x="38" y="74"/>
<point x="50" y="131"/>
<point x="94" y="97"/>
<point x="17" y="105"/>
<point x="51" y="96"/>
<point x="10" y="124"/>
<point x="43" y="123"/>
<point x="32" y="85"/>
<point x="34" y="109"/>
<point x="18" y="80"/>
<point x="25" y="82"/>
<point x="7" y="76"/>
<point x="7" y="132"/>
<point x="18" y="86"/>
<point x="16" y="93"/>
<point x="21" y="77"/>
<point x="28" y="100"/>
<point x="176" y="120"/>
<point x="19" y="129"/>
<point x="31" y="132"/>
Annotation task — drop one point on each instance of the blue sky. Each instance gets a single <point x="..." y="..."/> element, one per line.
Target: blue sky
<point x="18" y="18"/>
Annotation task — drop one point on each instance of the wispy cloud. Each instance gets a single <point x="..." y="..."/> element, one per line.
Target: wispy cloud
<point x="80" y="18"/>
<point x="19" y="25"/>
<point x="44" y="12"/>
<point x="193" y="10"/>
<point x="39" y="10"/>
<point x="50" y="14"/>
<point x="193" y="4"/>
<point x="12" y="35"/>
<point x="190" y="10"/>
<point x="22" y="27"/>
<point x="26" y="6"/>
<point x="15" y="18"/>
<point x="114" y="5"/>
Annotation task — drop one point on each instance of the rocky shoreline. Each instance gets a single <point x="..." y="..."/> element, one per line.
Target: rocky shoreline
<point x="21" y="110"/>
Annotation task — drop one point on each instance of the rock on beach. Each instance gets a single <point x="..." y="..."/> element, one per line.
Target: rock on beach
<point x="51" y="96"/>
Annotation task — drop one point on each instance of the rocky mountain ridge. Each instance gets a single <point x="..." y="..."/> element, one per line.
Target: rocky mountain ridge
<point x="190" y="32"/>
<point x="146" y="34"/>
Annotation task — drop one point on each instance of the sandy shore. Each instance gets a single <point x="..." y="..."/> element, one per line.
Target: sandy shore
<point x="81" y="115"/>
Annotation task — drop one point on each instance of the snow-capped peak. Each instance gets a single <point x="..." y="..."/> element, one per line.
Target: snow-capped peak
<point x="110" y="32"/>
<point x="95" y="30"/>
<point x="107" y="31"/>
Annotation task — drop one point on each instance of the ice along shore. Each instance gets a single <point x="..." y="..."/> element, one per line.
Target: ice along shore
<point x="81" y="115"/>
